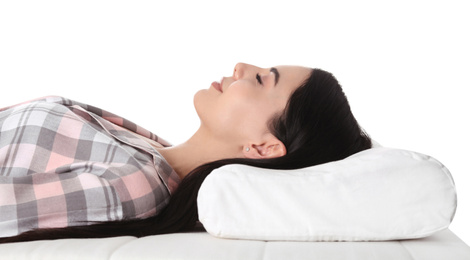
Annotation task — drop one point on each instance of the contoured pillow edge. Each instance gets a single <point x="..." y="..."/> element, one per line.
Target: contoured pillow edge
<point x="377" y="194"/>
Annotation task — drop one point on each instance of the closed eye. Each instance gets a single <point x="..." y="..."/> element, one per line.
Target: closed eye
<point x="258" y="78"/>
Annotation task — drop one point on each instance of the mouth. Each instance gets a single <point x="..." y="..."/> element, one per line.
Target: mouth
<point x="218" y="85"/>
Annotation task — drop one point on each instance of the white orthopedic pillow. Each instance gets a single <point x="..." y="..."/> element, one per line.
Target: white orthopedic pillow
<point x="377" y="194"/>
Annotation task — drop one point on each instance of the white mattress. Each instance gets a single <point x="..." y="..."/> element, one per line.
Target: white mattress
<point x="200" y="245"/>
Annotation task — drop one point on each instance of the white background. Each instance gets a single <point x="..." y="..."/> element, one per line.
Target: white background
<point x="403" y="64"/>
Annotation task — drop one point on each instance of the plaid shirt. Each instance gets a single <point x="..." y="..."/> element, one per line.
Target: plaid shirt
<point x="63" y="163"/>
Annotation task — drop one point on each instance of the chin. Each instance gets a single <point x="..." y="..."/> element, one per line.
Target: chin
<point x="199" y="99"/>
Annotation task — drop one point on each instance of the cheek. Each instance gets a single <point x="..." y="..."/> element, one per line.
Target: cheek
<point x="229" y="115"/>
<point x="243" y="119"/>
<point x="233" y="114"/>
<point x="216" y="112"/>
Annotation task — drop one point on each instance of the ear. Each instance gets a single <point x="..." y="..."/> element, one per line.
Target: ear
<point x="269" y="147"/>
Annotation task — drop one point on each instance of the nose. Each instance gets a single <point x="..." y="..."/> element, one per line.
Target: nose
<point x="242" y="69"/>
<point x="238" y="71"/>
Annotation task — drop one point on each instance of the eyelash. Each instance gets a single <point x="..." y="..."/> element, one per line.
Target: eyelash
<point x="258" y="78"/>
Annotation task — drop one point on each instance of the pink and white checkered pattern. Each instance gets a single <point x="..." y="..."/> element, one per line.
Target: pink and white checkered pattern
<point x="64" y="163"/>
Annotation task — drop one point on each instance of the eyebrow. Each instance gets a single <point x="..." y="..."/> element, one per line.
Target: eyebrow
<point x="276" y="75"/>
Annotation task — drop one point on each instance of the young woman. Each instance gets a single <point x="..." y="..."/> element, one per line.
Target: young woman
<point x="69" y="170"/>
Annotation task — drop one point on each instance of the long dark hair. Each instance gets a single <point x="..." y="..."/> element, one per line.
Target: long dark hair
<point x="317" y="126"/>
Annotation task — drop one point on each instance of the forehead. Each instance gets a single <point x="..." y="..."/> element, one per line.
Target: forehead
<point x="292" y="75"/>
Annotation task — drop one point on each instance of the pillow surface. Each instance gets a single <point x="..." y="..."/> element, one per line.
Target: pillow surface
<point x="377" y="194"/>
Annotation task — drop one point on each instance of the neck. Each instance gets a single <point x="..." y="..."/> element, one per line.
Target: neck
<point x="198" y="150"/>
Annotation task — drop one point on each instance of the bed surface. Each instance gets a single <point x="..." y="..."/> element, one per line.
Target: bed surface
<point x="201" y="245"/>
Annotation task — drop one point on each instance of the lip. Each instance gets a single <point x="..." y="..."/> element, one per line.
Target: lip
<point x="218" y="85"/>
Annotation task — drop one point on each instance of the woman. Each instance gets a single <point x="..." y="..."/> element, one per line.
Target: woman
<point x="284" y="117"/>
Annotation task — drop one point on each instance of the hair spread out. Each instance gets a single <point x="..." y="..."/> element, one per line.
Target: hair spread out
<point x="317" y="126"/>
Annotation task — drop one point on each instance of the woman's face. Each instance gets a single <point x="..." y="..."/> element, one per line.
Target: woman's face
<point x="239" y="107"/>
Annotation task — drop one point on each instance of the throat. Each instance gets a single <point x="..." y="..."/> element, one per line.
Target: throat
<point x="187" y="156"/>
